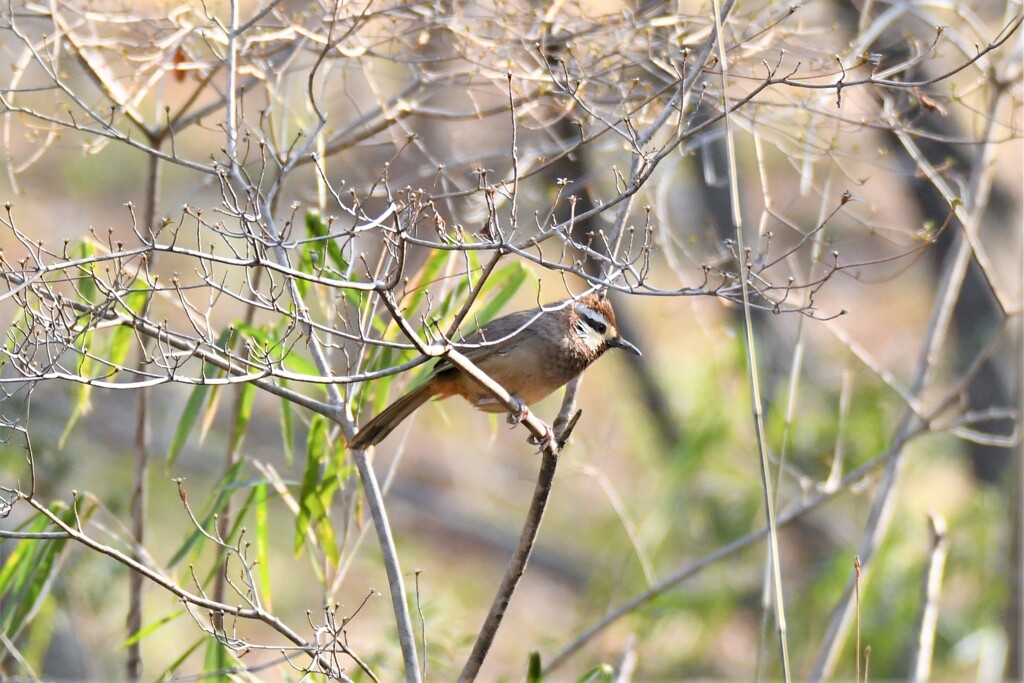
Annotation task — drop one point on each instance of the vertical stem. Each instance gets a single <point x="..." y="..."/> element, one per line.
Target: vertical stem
<point x="232" y="104"/>
<point x="133" y="664"/>
<point x="516" y="566"/>
<point x="399" y="601"/>
<point x="752" y="371"/>
<point x="948" y="290"/>
<point x="930" y="592"/>
<point x="1015" y="496"/>
<point x="371" y="488"/>
<point x="1015" y="610"/>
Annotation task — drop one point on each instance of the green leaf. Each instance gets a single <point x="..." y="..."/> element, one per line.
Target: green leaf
<point x="242" y="415"/>
<point x="26" y="576"/>
<point x="121" y="339"/>
<point x="304" y="266"/>
<point x="215" y="504"/>
<point x="603" y="672"/>
<point x="316" y="227"/>
<point x="292" y="360"/>
<point x="316" y="449"/>
<point x="86" y="285"/>
<point x="174" y="668"/>
<point x="380" y="386"/>
<point x="37" y="638"/>
<point x="426" y="276"/>
<point x="151" y="628"/>
<point x="81" y="406"/>
<point x="500" y="288"/>
<point x="446" y="308"/>
<point x="188" y="420"/>
<point x="317" y="492"/>
<point x="262" y="542"/>
<point x="534" y="671"/>
<point x="287" y="430"/>
<point x="82" y="390"/>
<point x="216" y="662"/>
<point x="194" y="405"/>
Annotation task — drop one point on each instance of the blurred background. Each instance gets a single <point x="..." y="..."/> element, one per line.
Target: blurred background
<point x="157" y="156"/>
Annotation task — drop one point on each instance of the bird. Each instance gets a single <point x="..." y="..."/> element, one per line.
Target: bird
<point x="530" y="353"/>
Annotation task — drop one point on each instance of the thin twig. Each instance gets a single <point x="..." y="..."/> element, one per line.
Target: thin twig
<point x="931" y="589"/>
<point x="371" y="488"/>
<point x="189" y="599"/>
<point x="516" y="566"/>
<point x="693" y="568"/>
<point x="752" y="371"/>
<point x="947" y="293"/>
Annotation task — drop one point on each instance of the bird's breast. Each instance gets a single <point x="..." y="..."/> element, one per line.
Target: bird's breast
<point x="528" y="378"/>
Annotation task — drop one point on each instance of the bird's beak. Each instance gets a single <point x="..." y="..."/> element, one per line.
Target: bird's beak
<point x="621" y="343"/>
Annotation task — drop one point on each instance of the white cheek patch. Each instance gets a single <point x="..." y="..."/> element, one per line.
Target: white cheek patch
<point x="588" y="335"/>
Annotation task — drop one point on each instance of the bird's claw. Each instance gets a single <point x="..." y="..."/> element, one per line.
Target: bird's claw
<point x="545" y="442"/>
<point x="519" y="414"/>
<point x="516" y="417"/>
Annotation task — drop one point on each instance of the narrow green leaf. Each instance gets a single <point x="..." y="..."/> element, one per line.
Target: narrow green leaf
<point x="25" y="579"/>
<point x="173" y="670"/>
<point x="86" y="285"/>
<point x="309" y="503"/>
<point x="326" y="538"/>
<point x="534" y="671"/>
<point x="241" y="514"/>
<point x="452" y="301"/>
<point x="238" y="521"/>
<point x="603" y="672"/>
<point x="38" y="635"/>
<point x="293" y="361"/>
<point x="218" y="498"/>
<point x="262" y="542"/>
<point x="317" y="227"/>
<point x="194" y="405"/>
<point x="82" y="391"/>
<point x="305" y="266"/>
<point x="122" y="337"/>
<point x="338" y="470"/>
<point x="216" y="662"/>
<point x="426" y="275"/>
<point x="287" y="430"/>
<point x="500" y="288"/>
<point x="151" y="628"/>
<point x="188" y="420"/>
<point x="242" y="415"/>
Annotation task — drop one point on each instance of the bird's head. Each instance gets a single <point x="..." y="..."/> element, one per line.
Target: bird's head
<point x="594" y="322"/>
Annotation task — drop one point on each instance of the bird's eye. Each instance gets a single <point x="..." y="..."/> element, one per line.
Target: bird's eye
<point x="595" y="320"/>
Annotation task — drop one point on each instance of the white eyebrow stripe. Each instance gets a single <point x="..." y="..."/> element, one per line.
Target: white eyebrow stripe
<point x="593" y="318"/>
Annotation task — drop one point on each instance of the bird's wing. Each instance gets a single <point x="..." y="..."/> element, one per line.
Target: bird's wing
<point x="484" y="340"/>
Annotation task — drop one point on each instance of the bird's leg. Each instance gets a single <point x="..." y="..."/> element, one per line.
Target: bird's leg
<point x="519" y="414"/>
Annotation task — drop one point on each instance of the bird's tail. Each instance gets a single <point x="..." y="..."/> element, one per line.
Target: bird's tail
<point x="379" y="427"/>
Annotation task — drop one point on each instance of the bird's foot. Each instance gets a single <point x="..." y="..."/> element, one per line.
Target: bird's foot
<point x="519" y="414"/>
<point x="545" y="442"/>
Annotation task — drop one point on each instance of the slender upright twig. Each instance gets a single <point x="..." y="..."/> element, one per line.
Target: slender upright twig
<point x="947" y="292"/>
<point x="752" y="371"/>
<point x="931" y="589"/>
